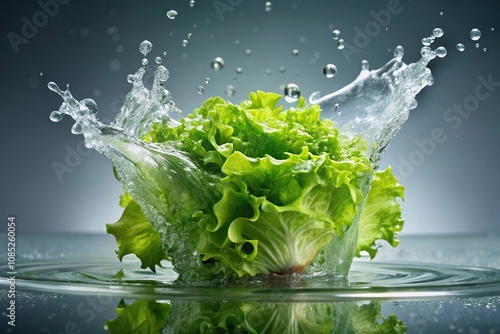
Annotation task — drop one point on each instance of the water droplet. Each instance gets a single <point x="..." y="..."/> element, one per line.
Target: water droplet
<point x="171" y="14"/>
<point x="41" y="74"/>
<point x="292" y="92"/>
<point x="77" y="128"/>
<point x="158" y="60"/>
<point x="236" y="42"/>
<point x="329" y="70"/>
<point x="399" y="52"/>
<point x="413" y="104"/>
<point x="164" y="53"/>
<point x="191" y="3"/>
<point x="484" y="49"/>
<point x="282" y="69"/>
<point x="441" y="13"/>
<point x="207" y="81"/>
<point x="365" y="66"/>
<point x="441" y="51"/>
<point x="477" y="45"/>
<point x="201" y="90"/>
<point x="56" y="116"/>
<point x="426" y="52"/>
<point x="302" y="39"/>
<point x="144" y="61"/>
<point x="91" y="105"/>
<point x="189" y="35"/>
<point x="295" y="52"/>
<point x="460" y="47"/>
<point x="268" y="71"/>
<point x="230" y="90"/>
<point x="145" y="47"/>
<point x="336" y="35"/>
<point x="248" y="52"/>
<point x="130" y="78"/>
<point x="475" y="34"/>
<point x="239" y="70"/>
<point x="185" y="42"/>
<point x="268" y="6"/>
<point x="438" y="32"/>
<point x="162" y="73"/>
<point x="340" y="44"/>
<point x="217" y="64"/>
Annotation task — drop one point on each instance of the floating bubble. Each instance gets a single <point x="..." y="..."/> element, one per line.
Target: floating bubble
<point x="185" y="42"/>
<point x="295" y="52"/>
<point x="236" y="42"/>
<point x="413" y="104"/>
<point x="460" y="47"/>
<point x="207" y="81"/>
<point x="399" y="52"/>
<point x="484" y="49"/>
<point x="145" y="47"/>
<point x="438" y="32"/>
<point x="477" y="45"/>
<point x="189" y="35"/>
<point x="239" y="70"/>
<point x="282" y="69"/>
<point x="230" y="90"/>
<point x="164" y="53"/>
<point x="191" y="3"/>
<point x="144" y="61"/>
<point x="268" y="6"/>
<point x="248" y="52"/>
<point x="171" y="14"/>
<point x="130" y="78"/>
<point x="441" y="13"/>
<point x="475" y="34"/>
<point x="336" y="35"/>
<point x="200" y="90"/>
<point x="340" y="44"/>
<point x="268" y="71"/>
<point x="441" y="51"/>
<point x="158" y="60"/>
<point x="292" y="92"/>
<point x="329" y="70"/>
<point x="217" y="64"/>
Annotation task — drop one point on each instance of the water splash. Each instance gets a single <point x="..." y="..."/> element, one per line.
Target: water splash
<point x="377" y="102"/>
<point x="373" y="106"/>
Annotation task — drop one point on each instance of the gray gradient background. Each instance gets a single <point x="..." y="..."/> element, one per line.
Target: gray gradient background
<point x="455" y="190"/>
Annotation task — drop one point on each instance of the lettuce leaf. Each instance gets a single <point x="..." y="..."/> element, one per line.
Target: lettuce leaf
<point x="381" y="216"/>
<point x="285" y="182"/>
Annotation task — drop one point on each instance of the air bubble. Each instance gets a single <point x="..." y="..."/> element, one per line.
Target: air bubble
<point x="239" y="70"/>
<point x="336" y="35"/>
<point x="268" y="71"/>
<point x="426" y="41"/>
<point x="438" y="32"/>
<point x="329" y="70"/>
<point x="413" y="104"/>
<point x="477" y="45"/>
<point x="185" y="42"/>
<point x="282" y="69"/>
<point x="217" y="64"/>
<point x="207" y="81"/>
<point x="145" y="47"/>
<point x="484" y="49"/>
<point x="399" y="52"/>
<point x="460" y="47"/>
<point x="158" y="60"/>
<point x="144" y="61"/>
<point x="191" y="3"/>
<point x="248" y="52"/>
<point x="171" y="14"/>
<point x="475" y="34"/>
<point x="441" y="51"/>
<point x="295" y="52"/>
<point x="200" y="90"/>
<point x="292" y="92"/>
<point x="230" y="90"/>
<point x="268" y="6"/>
<point x="340" y="44"/>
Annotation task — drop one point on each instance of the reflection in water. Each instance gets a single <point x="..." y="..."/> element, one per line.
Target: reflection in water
<point x="146" y="316"/>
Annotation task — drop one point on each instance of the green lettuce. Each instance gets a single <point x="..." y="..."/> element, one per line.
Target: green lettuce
<point x="283" y="183"/>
